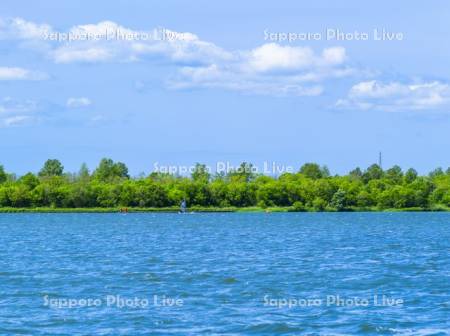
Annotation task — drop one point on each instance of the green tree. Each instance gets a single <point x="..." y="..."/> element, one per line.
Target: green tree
<point x="314" y="171"/>
<point x="29" y="180"/>
<point x="51" y="168"/>
<point x="394" y="174"/>
<point x="410" y="175"/>
<point x="245" y="172"/>
<point x="356" y="174"/>
<point x="298" y="206"/>
<point x="365" y="199"/>
<point x="3" y="176"/>
<point x="339" y="200"/>
<point x="83" y="173"/>
<point x="319" y="204"/>
<point x="200" y="173"/>
<point x="108" y="170"/>
<point x="374" y="172"/>
<point x="435" y="173"/>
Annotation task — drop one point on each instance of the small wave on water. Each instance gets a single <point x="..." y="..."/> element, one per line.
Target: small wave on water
<point x="271" y="329"/>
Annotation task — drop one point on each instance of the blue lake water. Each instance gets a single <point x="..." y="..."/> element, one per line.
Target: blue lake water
<point x="235" y="274"/>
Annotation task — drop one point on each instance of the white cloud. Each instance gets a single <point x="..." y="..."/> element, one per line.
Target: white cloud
<point x="15" y="73"/>
<point x="270" y="69"/>
<point x="15" y="113"/>
<point x="247" y="83"/>
<point x="334" y="56"/>
<point x="191" y="51"/>
<point x="273" y="56"/>
<point x="20" y="29"/>
<point x="9" y="105"/>
<point x="395" y="96"/>
<point x="109" y="41"/>
<point x="70" y="54"/>
<point x="15" y="121"/>
<point x="78" y="102"/>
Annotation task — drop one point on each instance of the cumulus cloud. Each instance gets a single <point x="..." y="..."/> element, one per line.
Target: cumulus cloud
<point x="396" y="96"/>
<point x="109" y="41"/>
<point x="20" y="29"/>
<point x="15" y="73"/>
<point x="270" y="69"/>
<point x="235" y="80"/>
<point x="273" y="57"/>
<point x="78" y="102"/>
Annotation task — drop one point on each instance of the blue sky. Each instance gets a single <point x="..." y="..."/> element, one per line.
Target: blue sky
<point x="222" y="86"/>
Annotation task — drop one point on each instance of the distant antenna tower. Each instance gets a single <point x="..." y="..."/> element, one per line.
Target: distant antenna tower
<point x="380" y="161"/>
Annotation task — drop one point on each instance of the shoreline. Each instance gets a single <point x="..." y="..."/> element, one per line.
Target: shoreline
<point x="207" y="210"/>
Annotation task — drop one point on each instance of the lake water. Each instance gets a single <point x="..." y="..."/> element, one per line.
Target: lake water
<point x="235" y="274"/>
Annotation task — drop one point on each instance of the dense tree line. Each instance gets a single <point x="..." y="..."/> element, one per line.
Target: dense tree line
<point x="312" y="188"/>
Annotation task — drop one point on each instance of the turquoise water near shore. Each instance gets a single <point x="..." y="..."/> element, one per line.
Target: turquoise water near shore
<point x="225" y="273"/>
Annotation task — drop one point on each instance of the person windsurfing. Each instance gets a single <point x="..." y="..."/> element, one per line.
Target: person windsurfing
<point x="183" y="206"/>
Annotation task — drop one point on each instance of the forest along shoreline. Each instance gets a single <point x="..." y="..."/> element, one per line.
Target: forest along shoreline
<point x="109" y="188"/>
